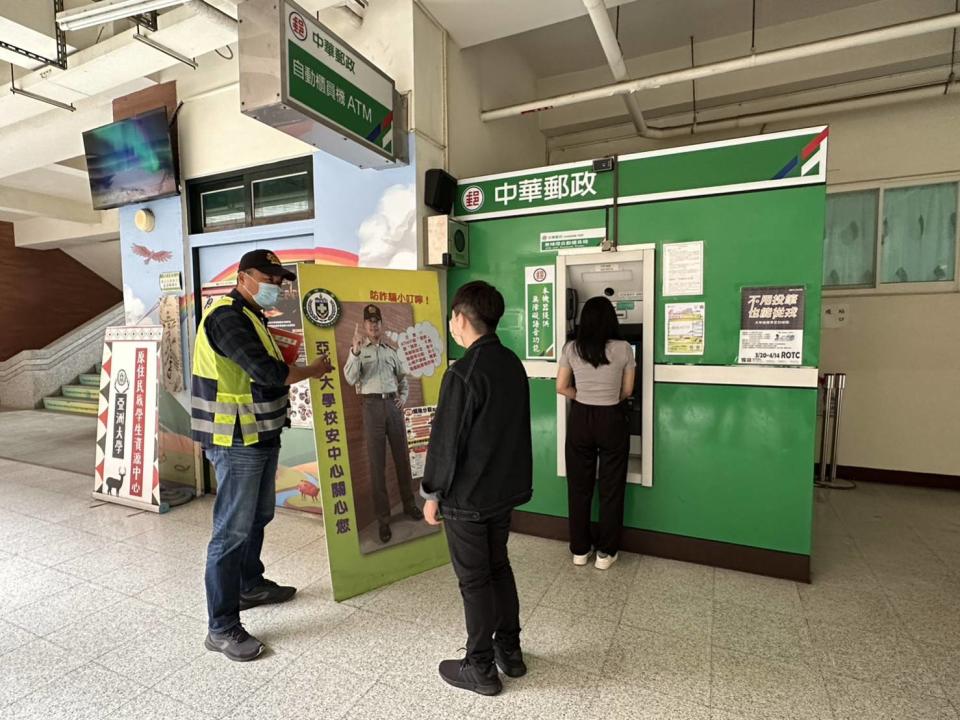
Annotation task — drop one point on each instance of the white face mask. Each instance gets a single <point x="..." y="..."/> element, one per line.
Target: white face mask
<point x="453" y="333"/>
<point x="266" y="295"/>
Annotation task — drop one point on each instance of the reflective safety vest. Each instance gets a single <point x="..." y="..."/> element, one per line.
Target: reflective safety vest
<point x="223" y="392"/>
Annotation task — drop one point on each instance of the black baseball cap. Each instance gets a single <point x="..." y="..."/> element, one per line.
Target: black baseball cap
<point x="372" y="312"/>
<point x="266" y="262"/>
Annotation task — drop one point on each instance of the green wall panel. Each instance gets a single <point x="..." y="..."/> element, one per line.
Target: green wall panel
<point x="549" y="491"/>
<point x="697" y="167"/>
<point x="731" y="464"/>
<point x="765" y="238"/>
<point x="499" y="251"/>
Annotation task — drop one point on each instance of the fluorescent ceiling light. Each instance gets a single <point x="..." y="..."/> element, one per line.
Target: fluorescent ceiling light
<point x="109" y="11"/>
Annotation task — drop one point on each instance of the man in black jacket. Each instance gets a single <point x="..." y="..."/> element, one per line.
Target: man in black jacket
<point x="480" y="467"/>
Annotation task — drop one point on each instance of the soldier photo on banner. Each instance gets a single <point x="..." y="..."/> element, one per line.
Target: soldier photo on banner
<point x="385" y="355"/>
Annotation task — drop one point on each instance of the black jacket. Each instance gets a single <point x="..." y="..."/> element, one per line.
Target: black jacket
<point x="480" y="457"/>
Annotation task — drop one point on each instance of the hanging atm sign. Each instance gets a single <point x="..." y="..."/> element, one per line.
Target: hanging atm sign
<point x="539" y="283"/>
<point x="566" y="187"/>
<point x="333" y="84"/>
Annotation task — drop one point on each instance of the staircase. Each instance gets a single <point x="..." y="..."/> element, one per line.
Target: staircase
<point x="30" y="376"/>
<point x="81" y="398"/>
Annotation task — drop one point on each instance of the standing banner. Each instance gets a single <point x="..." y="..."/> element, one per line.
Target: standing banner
<point x="371" y="415"/>
<point x="128" y="466"/>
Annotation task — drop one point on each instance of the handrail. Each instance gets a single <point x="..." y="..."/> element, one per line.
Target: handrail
<point x="54" y="353"/>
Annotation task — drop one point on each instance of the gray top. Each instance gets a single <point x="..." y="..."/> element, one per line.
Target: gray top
<point x="378" y="369"/>
<point x="599" y="385"/>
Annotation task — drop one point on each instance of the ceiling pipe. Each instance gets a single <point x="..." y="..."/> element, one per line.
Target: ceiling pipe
<point x="938" y="89"/>
<point x="795" y="52"/>
<point x="597" y="10"/>
<point x="921" y="92"/>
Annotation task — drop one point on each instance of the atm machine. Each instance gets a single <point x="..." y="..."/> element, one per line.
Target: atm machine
<point x="626" y="277"/>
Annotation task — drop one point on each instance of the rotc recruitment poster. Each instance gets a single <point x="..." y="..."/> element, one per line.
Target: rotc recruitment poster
<point x="400" y="314"/>
<point x="771" y="326"/>
<point x="128" y="423"/>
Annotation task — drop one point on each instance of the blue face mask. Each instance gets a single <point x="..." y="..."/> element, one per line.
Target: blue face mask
<point x="267" y="295"/>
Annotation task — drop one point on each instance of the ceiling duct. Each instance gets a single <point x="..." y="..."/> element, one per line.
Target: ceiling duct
<point x="796" y="52"/>
<point x="108" y="11"/>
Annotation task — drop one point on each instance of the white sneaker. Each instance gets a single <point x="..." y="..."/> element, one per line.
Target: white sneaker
<point x="604" y="561"/>
<point x="582" y="559"/>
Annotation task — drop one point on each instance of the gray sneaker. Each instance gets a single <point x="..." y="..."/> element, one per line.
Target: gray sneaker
<point x="236" y="643"/>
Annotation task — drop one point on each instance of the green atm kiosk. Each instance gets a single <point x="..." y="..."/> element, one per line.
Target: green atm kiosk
<point x="623" y="276"/>
<point x="712" y="256"/>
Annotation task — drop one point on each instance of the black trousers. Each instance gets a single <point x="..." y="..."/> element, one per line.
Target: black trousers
<point x="490" y="603"/>
<point x="383" y="422"/>
<point x="596" y="432"/>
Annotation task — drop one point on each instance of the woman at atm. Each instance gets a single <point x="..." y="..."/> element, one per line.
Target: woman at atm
<point x="597" y="371"/>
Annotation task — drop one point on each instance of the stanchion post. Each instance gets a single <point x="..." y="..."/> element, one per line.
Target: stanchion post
<point x="841" y="382"/>
<point x="828" y="383"/>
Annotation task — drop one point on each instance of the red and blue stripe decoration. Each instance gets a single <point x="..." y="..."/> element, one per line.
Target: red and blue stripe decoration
<point x="812" y="148"/>
<point x="381" y="129"/>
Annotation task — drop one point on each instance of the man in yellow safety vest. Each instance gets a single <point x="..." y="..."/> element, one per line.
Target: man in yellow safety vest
<point x="239" y="408"/>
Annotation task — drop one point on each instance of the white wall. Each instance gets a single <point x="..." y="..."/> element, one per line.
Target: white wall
<point x="101" y="257"/>
<point x="216" y="137"/>
<point x="42" y="233"/>
<point x="428" y="112"/>
<point x="385" y="38"/>
<point x="900" y="353"/>
<point x="481" y="78"/>
<point x="429" y="102"/>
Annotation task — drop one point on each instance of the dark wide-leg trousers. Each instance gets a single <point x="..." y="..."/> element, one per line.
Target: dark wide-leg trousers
<point x="596" y="433"/>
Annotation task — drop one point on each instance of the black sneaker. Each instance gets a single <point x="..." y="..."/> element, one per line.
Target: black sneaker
<point x="467" y="676"/>
<point x="510" y="662"/>
<point x="236" y="643"/>
<point x="414" y="512"/>
<point x="385" y="533"/>
<point x="266" y="593"/>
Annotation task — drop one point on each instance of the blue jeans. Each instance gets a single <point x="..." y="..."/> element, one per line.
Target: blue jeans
<point x="246" y="496"/>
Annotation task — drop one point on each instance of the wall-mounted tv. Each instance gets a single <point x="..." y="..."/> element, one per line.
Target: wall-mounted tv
<point x="131" y="161"/>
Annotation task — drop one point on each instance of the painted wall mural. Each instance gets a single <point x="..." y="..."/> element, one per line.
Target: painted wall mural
<point x="362" y="218"/>
<point x="369" y="213"/>
<point x="144" y="258"/>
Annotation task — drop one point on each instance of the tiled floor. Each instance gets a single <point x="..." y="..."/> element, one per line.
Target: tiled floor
<point x="102" y="616"/>
<point x="26" y="437"/>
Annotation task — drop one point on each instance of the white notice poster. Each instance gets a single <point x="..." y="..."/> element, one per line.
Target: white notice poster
<point x="683" y="268"/>
<point x="686" y="328"/>
<point x="567" y="239"/>
<point x="419" y="423"/>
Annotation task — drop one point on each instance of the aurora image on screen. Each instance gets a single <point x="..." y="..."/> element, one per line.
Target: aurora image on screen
<point x="130" y="161"/>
